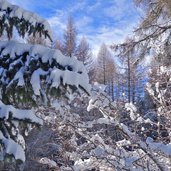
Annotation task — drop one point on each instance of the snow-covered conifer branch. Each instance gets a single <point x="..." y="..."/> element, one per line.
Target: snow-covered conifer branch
<point x="12" y="16"/>
<point x="34" y="71"/>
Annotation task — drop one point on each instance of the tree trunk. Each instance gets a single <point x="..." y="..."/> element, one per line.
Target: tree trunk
<point x="112" y="89"/>
<point x="129" y="80"/>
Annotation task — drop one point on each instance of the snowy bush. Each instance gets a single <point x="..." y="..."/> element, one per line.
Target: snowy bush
<point x="132" y="152"/>
<point x="82" y="143"/>
<point x="160" y="90"/>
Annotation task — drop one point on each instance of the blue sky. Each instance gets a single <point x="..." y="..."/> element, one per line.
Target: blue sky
<point x="100" y="21"/>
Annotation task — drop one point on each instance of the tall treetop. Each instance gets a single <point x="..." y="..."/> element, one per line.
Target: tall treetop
<point x="70" y="38"/>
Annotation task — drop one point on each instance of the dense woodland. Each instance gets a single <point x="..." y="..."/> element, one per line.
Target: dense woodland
<point x="63" y="108"/>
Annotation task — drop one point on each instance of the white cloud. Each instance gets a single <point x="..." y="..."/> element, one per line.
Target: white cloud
<point x="116" y="30"/>
<point x="78" y="6"/>
<point x="56" y="23"/>
<point x="83" y="22"/>
<point x="57" y="26"/>
<point x="116" y="10"/>
<point x="108" y="35"/>
<point x="120" y="10"/>
<point x="27" y="4"/>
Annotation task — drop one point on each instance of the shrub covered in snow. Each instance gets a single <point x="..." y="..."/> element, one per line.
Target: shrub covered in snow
<point x="92" y="143"/>
<point x="132" y="151"/>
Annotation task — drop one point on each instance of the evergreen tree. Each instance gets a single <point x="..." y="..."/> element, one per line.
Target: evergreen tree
<point x="30" y="76"/>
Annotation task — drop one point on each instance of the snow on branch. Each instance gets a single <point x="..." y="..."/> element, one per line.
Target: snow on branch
<point x="11" y="139"/>
<point x="158" y="146"/>
<point x="24" y="21"/>
<point x="7" y="111"/>
<point x="12" y="148"/>
<point x="37" y="70"/>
